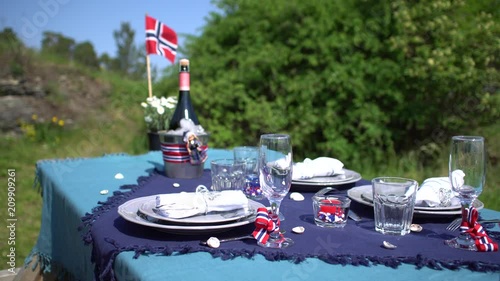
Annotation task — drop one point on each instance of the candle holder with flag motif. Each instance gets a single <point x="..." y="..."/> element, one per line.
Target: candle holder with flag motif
<point x="330" y="210"/>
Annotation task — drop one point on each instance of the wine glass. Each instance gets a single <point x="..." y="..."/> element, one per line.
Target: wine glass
<point x="275" y="174"/>
<point x="467" y="174"/>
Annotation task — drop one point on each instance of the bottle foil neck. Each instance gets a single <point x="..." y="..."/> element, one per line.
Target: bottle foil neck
<point x="184" y="81"/>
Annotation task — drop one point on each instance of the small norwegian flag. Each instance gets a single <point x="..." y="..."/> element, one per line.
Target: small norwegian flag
<point x="160" y="39"/>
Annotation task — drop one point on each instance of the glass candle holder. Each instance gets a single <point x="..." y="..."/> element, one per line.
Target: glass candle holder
<point x="330" y="210"/>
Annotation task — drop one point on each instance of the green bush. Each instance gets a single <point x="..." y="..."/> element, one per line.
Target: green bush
<point x="349" y="79"/>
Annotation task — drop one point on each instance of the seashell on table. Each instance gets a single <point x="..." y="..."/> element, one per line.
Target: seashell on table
<point x="213" y="242"/>
<point x="295" y="196"/>
<point x="388" y="245"/>
<point x="298" y="229"/>
<point x="415" y="227"/>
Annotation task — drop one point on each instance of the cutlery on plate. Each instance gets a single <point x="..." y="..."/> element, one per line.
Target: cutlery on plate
<point x="352" y="215"/>
<point x="455" y="224"/>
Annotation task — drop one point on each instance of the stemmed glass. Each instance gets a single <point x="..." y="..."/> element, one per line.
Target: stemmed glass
<point x="275" y="174"/>
<point x="467" y="174"/>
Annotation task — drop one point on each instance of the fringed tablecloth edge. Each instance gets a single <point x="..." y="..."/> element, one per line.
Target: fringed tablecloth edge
<point x="225" y="254"/>
<point x="120" y="197"/>
<point x="37" y="259"/>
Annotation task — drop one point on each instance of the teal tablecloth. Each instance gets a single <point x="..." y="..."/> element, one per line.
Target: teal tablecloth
<point x="72" y="187"/>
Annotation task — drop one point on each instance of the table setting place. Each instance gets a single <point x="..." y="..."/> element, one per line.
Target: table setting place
<point x="261" y="202"/>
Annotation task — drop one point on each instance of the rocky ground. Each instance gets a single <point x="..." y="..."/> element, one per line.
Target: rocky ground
<point x="29" y="87"/>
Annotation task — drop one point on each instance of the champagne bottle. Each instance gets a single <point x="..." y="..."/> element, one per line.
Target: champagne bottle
<point x="184" y="108"/>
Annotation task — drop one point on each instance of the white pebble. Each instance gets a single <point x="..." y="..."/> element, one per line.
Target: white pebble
<point x="104" y="192"/>
<point x="176" y="184"/>
<point x="298" y="229"/>
<point x="119" y="176"/>
<point x="296" y="196"/>
<point x="213" y="242"/>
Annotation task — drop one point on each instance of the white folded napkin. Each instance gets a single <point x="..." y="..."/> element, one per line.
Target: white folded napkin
<point x="436" y="192"/>
<point x="202" y="201"/>
<point x="319" y="167"/>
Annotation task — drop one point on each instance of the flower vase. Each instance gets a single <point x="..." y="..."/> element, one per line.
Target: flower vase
<point x="154" y="141"/>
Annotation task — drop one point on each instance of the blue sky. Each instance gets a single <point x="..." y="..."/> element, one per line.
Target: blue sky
<point x="95" y="20"/>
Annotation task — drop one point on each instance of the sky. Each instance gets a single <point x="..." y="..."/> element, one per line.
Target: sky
<point x="95" y="20"/>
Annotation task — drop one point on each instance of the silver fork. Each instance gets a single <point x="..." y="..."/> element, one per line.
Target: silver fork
<point x="354" y="216"/>
<point x="455" y="224"/>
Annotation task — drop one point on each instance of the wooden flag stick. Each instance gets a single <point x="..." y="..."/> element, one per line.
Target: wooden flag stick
<point x="149" y="77"/>
<point x="150" y="90"/>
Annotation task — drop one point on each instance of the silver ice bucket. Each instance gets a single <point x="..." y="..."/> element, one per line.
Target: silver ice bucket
<point x="178" y="161"/>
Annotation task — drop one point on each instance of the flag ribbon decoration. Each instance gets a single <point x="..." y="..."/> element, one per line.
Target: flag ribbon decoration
<point x="178" y="153"/>
<point x="160" y="39"/>
<point x="264" y="225"/>
<point x="471" y="227"/>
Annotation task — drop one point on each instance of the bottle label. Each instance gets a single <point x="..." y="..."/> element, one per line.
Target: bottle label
<point x="184" y="81"/>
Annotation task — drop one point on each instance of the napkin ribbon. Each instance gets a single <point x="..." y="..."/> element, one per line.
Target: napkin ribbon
<point x="470" y="226"/>
<point x="264" y="225"/>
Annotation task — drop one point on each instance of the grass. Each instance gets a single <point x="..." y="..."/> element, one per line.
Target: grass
<point x="122" y="133"/>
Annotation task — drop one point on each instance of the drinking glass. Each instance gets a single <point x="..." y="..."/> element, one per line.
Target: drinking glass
<point x="249" y="155"/>
<point x="393" y="204"/>
<point x="467" y="176"/>
<point x="227" y="174"/>
<point x="275" y="173"/>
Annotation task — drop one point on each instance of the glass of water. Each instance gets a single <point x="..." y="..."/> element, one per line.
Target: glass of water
<point x="227" y="174"/>
<point x="393" y="203"/>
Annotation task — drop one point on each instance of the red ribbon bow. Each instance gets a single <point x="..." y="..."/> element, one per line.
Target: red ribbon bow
<point x="470" y="226"/>
<point x="264" y="225"/>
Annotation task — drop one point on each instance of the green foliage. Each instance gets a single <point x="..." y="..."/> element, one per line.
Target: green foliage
<point x="10" y="49"/>
<point x="85" y="54"/>
<point x="56" y="43"/>
<point x="349" y="79"/>
<point x="8" y="38"/>
<point x="130" y="59"/>
<point x="125" y="92"/>
<point x="106" y="62"/>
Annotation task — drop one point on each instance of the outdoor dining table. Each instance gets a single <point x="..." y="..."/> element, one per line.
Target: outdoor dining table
<point x="80" y="229"/>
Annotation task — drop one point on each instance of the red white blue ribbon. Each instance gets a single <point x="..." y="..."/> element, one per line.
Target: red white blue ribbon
<point x="178" y="153"/>
<point x="264" y="225"/>
<point x="470" y="226"/>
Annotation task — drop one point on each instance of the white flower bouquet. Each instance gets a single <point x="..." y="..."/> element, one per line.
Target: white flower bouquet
<point x="158" y="111"/>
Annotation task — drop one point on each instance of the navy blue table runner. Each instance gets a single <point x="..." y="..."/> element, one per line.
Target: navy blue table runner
<point x="356" y="244"/>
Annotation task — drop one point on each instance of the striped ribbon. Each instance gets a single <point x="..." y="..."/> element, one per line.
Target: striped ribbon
<point x="178" y="153"/>
<point x="470" y="226"/>
<point x="264" y="225"/>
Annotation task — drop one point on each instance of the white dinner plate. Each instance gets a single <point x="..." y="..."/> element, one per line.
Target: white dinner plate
<point x="368" y="196"/>
<point x="149" y="204"/>
<point x="129" y="211"/>
<point x="363" y="194"/>
<point x="348" y="177"/>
